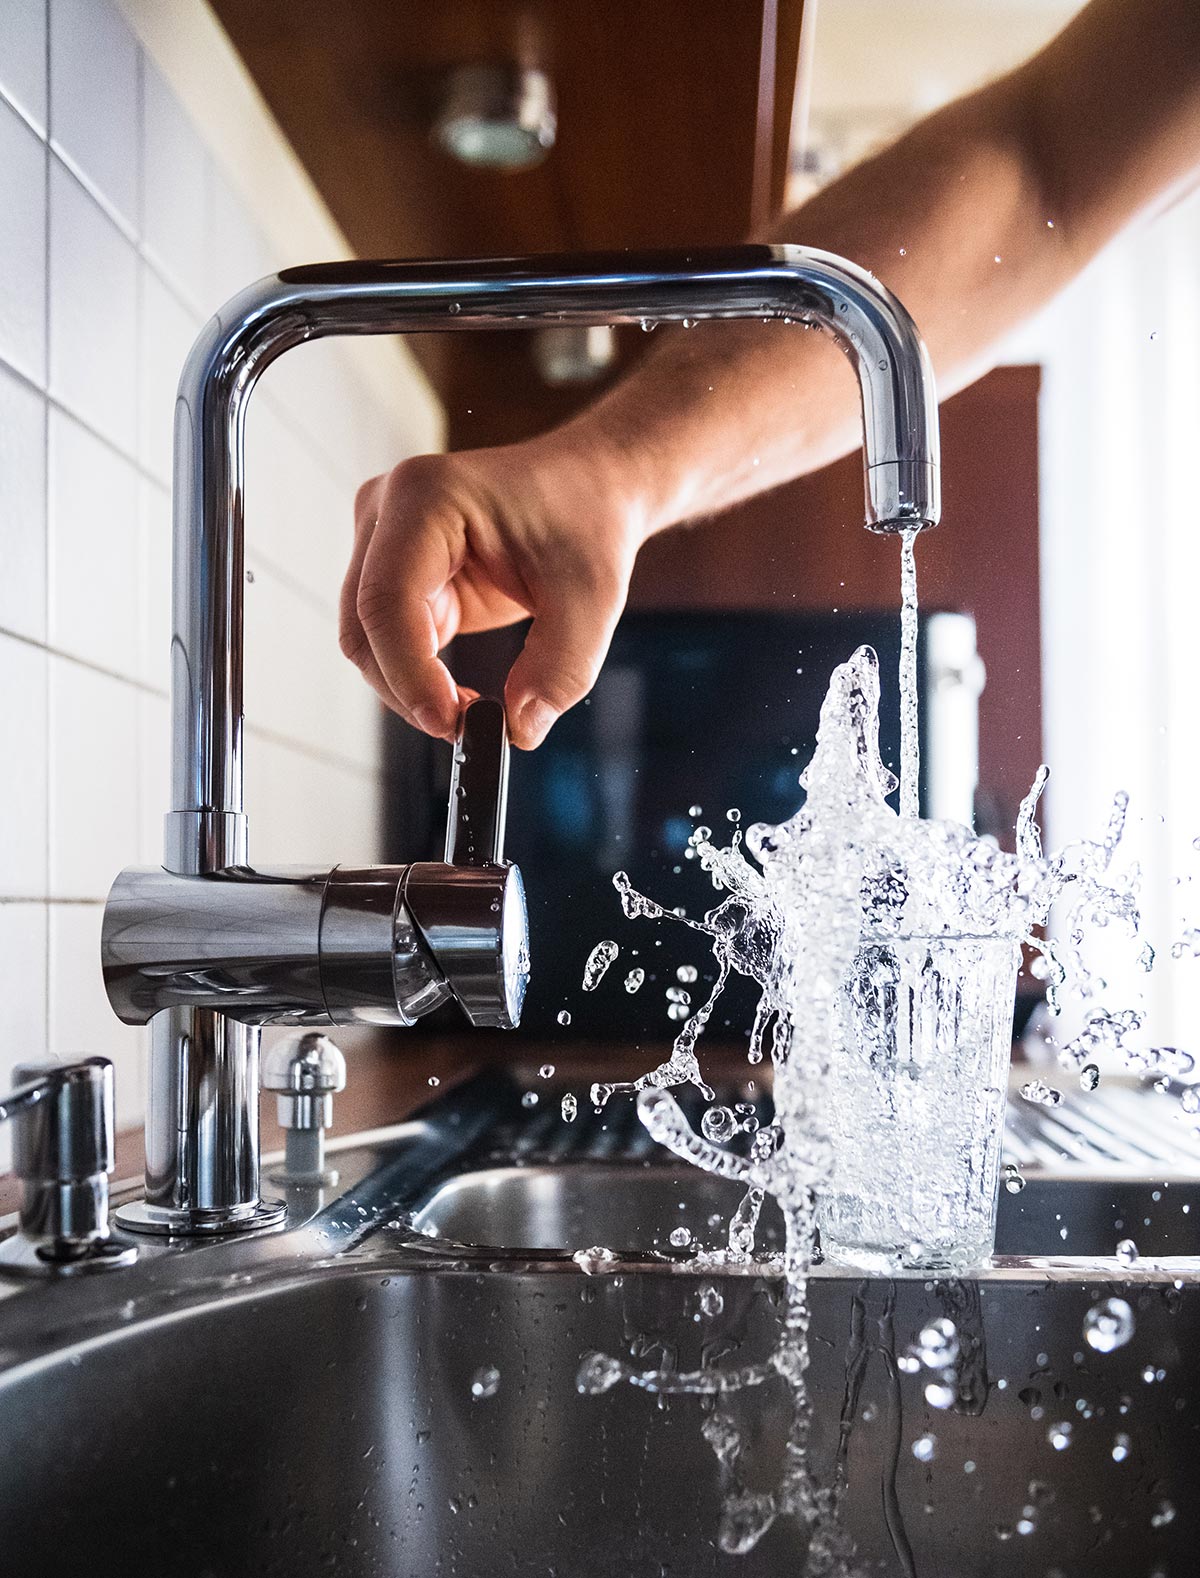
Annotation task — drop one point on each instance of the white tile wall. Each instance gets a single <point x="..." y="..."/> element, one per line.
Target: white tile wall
<point x="93" y="313"/>
<point x="121" y="233"/>
<point x="22" y="499"/>
<point x="94" y="541"/>
<point x="94" y="101"/>
<point x="22" y="246"/>
<point x="23" y="58"/>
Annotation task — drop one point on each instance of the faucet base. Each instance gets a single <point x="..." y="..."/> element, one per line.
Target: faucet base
<point x="24" y="1256"/>
<point x="141" y="1216"/>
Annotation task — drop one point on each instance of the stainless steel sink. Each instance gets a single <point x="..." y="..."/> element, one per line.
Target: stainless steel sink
<point x="322" y="1399"/>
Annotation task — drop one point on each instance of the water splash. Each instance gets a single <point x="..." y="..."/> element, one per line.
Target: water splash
<point x="802" y="906"/>
<point x="598" y="961"/>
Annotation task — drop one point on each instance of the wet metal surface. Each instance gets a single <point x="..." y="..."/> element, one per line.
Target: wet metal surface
<point x="322" y="1399"/>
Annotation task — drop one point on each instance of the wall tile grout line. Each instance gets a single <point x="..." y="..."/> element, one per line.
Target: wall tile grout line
<point x="49" y="901"/>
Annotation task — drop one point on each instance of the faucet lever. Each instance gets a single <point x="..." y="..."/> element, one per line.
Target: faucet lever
<point x="478" y="786"/>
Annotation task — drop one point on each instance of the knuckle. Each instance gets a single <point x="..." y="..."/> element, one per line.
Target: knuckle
<point x="373" y="605"/>
<point x="365" y="496"/>
<point x="570" y="681"/>
<point x="353" y="642"/>
<point x="414" y="482"/>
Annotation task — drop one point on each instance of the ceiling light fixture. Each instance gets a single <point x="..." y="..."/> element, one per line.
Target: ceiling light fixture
<point x="497" y="117"/>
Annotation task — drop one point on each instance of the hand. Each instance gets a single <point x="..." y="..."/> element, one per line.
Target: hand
<point x="480" y="539"/>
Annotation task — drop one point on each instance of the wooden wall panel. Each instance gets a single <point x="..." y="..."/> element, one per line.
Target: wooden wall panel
<point x="804" y="546"/>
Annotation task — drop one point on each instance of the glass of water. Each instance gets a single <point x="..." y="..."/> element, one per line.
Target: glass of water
<point x="917" y="1090"/>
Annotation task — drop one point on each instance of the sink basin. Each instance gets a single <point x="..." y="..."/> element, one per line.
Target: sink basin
<point x="389" y="1385"/>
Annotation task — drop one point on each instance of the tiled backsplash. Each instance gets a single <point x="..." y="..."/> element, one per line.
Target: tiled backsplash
<point x="121" y="232"/>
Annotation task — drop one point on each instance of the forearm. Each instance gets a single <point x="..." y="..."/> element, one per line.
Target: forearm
<point x="975" y="219"/>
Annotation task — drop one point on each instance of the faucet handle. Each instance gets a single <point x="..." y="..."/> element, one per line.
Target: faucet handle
<point x="470" y="909"/>
<point x="478" y="786"/>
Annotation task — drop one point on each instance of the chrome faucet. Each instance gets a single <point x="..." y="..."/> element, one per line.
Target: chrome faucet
<point x="207" y="948"/>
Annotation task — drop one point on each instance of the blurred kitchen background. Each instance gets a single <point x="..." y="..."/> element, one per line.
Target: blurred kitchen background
<point x="155" y="155"/>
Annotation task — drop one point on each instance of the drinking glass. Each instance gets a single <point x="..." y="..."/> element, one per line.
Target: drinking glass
<point x="917" y="1091"/>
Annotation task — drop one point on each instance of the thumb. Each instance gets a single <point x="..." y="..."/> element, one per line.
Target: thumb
<point x="563" y="651"/>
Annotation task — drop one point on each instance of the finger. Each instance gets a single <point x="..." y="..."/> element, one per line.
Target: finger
<point x="351" y="636"/>
<point x="401" y="601"/>
<point x="562" y="655"/>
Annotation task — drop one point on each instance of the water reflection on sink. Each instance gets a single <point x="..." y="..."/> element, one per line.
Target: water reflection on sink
<point x="635" y="1209"/>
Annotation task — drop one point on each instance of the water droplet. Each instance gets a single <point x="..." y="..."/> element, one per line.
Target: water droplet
<point x="677" y="1011"/>
<point x="1011" y="1175"/>
<point x="1040" y="1094"/>
<point x="718" y="1124"/>
<point x="937" y="1345"/>
<point x="598" y="1373"/>
<point x="686" y="973"/>
<point x="598" y="961"/>
<point x="924" y="1448"/>
<point x="600" y="1093"/>
<point x="634" y="980"/>
<point x="733" y="814"/>
<point x="1121" y="1447"/>
<point x="711" y="1301"/>
<point x="569" y="1108"/>
<point x="454" y="308"/>
<point x="1059" y="1435"/>
<point x="941" y="1394"/>
<point x="594" y="1260"/>
<point x="529" y="1099"/>
<point x="546" y="1071"/>
<point x="485" y="1382"/>
<point x="695" y="810"/>
<point x="1163" y="1514"/>
<point x="1127" y="1251"/>
<point x="680" y="1237"/>
<point x="1108" y="1325"/>
<point x="434" y="1082"/>
<point x="564" y="1017"/>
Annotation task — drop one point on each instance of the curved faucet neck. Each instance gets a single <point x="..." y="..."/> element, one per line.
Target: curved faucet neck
<point x="206" y="828"/>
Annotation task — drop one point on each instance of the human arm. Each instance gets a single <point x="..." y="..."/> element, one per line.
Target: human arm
<point x="975" y="219"/>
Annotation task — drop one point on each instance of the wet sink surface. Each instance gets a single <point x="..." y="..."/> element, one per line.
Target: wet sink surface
<point x="324" y="1400"/>
<point x="636" y="1208"/>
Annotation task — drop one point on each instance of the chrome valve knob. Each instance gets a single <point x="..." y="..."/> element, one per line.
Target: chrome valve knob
<point x="305" y="1070"/>
<point x="380" y="945"/>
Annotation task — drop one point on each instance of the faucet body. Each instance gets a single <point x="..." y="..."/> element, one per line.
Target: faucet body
<point x="202" y="1115"/>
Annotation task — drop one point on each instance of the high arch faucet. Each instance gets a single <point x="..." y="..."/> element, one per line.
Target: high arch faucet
<point x="207" y="948"/>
